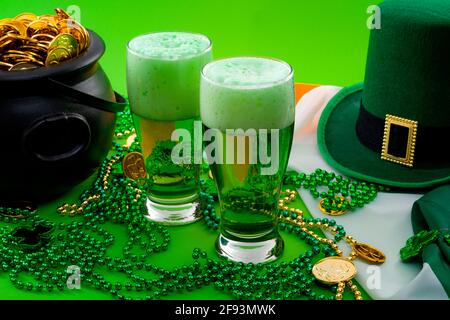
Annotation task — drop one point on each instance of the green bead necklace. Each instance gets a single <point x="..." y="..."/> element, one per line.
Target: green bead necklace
<point x="35" y="248"/>
<point x="338" y="194"/>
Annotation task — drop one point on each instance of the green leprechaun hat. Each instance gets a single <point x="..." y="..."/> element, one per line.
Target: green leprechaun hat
<point x="394" y="129"/>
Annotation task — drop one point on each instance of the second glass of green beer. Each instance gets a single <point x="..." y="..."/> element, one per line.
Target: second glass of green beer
<point x="247" y="109"/>
<point x="163" y="77"/>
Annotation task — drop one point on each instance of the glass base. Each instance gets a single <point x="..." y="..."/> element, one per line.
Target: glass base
<point x="246" y="252"/>
<point x="173" y="214"/>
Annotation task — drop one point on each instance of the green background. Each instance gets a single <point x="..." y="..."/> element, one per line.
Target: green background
<point x="325" y="41"/>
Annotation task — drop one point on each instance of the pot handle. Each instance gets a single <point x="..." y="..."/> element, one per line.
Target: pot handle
<point x="52" y="138"/>
<point x="95" y="102"/>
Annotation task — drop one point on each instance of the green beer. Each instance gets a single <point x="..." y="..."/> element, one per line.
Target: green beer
<point x="163" y="78"/>
<point x="247" y="108"/>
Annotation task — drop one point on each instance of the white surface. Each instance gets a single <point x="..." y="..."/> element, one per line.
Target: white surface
<point x="425" y="286"/>
<point x="385" y="223"/>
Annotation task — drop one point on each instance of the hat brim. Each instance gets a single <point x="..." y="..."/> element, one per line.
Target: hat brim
<point x="341" y="148"/>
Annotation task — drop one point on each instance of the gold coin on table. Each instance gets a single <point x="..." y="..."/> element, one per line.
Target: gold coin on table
<point x="133" y="166"/>
<point x="333" y="270"/>
<point x="338" y="212"/>
<point x="67" y="41"/>
<point x="23" y="66"/>
<point x="57" y="55"/>
<point x="369" y="253"/>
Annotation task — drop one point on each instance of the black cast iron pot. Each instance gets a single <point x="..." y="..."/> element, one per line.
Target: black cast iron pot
<point x="56" y="124"/>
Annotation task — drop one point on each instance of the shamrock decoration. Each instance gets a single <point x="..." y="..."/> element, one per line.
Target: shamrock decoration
<point x="418" y="242"/>
<point x="32" y="237"/>
<point x="447" y="238"/>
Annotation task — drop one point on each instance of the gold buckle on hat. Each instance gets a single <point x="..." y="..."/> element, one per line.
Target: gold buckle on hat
<point x="411" y="125"/>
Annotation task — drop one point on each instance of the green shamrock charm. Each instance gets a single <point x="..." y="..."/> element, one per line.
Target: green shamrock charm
<point x="415" y="245"/>
<point x="32" y="237"/>
<point x="447" y="238"/>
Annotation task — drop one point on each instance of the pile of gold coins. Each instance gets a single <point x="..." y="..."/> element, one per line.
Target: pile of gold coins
<point x="29" y="41"/>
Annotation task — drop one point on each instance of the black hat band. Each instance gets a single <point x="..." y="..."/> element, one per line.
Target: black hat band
<point x="426" y="145"/>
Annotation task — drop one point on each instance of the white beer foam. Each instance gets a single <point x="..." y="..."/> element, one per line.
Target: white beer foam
<point x="169" y="45"/>
<point x="247" y="92"/>
<point x="163" y="72"/>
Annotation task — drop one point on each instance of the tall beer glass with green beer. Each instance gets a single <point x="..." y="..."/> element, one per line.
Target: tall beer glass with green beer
<point x="163" y="78"/>
<point x="247" y="109"/>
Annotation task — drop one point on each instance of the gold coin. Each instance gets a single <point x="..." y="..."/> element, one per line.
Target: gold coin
<point x="34" y="51"/>
<point x="38" y="48"/>
<point x="12" y="36"/>
<point x="43" y="37"/>
<point x="23" y="66"/>
<point x="67" y="41"/>
<point x="76" y="30"/>
<point x="49" y="19"/>
<point x="5" y="66"/>
<point x="333" y="270"/>
<point x="87" y="38"/>
<point x="133" y="166"/>
<point x="33" y="54"/>
<point x="6" y="43"/>
<point x="40" y="40"/>
<point x="42" y="27"/>
<point x="11" y="40"/>
<point x="44" y="44"/>
<point x="57" y="55"/>
<point x="61" y="14"/>
<point x="16" y="26"/>
<point x="26" y="17"/>
<point x="20" y="26"/>
<point x="6" y="29"/>
<point x="36" y="26"/>
<point x="34" y="60"/>
<point x="338" y="212"/>
<point x="369" y="253"/>
<point x="5" y="21"/>
<point x="12" y="57"/>
<point x="13" y="52"/>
